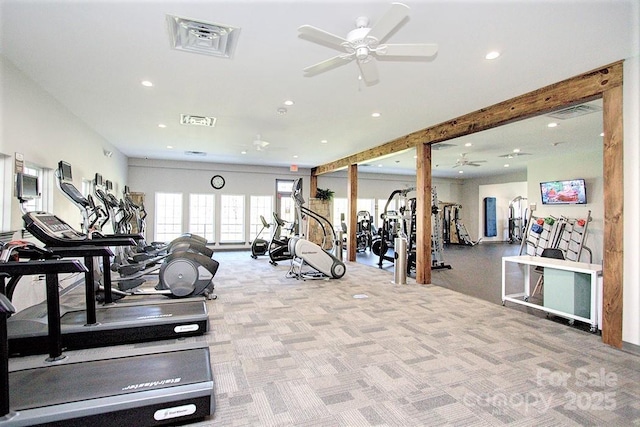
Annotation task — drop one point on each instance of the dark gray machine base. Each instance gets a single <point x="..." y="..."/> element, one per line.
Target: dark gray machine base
<point x="139" y="390"/>
<point x="116" y="324"/>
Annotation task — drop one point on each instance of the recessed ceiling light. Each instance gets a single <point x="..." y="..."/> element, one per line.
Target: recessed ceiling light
<point x="602" y="134"/>
<point x="243" y="152"/>
<point x="146" y="83"/>
<point x="552" y="125"/>
<point x="516" y="150"/>
<point x="324" y="141"/>
<point x="460" y="171"/>
<point x="295" y="156"/>
<point x="468" y="144"/>
<point x="169" y="147"/>
<point x="506" y="165"/>
<point x="161" y="125"/>
<point x="379" y="166"/>
<point x="492" y="55"/>
<point x="288" y="102"/>
<point x="375" y="115"/>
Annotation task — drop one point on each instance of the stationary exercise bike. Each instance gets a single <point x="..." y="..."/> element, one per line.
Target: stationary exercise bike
<point x="260" y="246"/>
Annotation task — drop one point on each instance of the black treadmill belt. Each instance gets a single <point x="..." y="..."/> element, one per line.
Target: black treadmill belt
<point x="124" y="313"/>
<point x="74" y="382"/>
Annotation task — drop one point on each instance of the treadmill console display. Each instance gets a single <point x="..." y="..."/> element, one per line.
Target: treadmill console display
<point x="54" y="225"/>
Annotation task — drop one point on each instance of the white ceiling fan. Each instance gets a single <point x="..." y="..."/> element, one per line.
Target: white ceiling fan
<point x="365" y="43"/>
<point x="464" y="161"/>
<point x="259" y="144"/>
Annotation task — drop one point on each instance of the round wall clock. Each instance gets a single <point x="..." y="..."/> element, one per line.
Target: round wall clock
<point x="217" y="182"/>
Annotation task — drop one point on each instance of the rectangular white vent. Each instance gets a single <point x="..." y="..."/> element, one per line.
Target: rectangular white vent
<point x="575" y="111"/>
<point x="206" y="38"/>
<point x="189" y="120"/>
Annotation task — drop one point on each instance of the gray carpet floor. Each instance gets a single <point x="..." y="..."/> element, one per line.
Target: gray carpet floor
<point x="361" y="351"/>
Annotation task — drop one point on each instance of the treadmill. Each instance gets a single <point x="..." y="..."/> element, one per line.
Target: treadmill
<point x="97" y="326"/>
<point x="165" y="384"/>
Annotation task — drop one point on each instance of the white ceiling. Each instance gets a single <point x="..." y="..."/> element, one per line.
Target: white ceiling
<point x="93" y="55"/>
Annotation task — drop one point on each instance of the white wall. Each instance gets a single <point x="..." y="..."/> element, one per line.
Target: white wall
<point x="587" y="165"/>
<point x="504" y="194"/>
<point x="45" y="132"/>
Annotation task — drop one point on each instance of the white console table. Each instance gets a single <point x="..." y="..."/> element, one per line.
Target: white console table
<point x="562" y="269"/>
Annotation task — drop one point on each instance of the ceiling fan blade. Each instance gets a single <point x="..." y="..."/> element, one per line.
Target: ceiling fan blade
<point x="407" y="49"/>
<point x="317" y="35"/>
<point x="396" y="14"/>
<point x="327" y="65"/>
<point x="368" y="71"/>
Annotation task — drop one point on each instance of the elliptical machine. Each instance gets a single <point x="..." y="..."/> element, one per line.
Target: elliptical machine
<point x="279" y="244"/>
<point x="183" y="273"/>
<point x="260" y="246"/>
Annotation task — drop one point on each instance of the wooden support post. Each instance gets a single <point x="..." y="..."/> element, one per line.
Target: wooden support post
<point x="352" y="214"/>
<point x="612" y="272"/>
<point x="313" y="185"/>
<point x="423" y="214"/>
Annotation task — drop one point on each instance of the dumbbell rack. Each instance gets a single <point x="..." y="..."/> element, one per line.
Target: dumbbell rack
<point x="566" y="234"/>
<point x="572" y="237"/>
<point x="534" y="243"/>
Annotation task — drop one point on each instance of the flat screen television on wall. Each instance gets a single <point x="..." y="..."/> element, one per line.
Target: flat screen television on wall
<point x="564" y="192"/>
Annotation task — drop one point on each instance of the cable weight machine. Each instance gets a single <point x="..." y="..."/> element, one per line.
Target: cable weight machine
<point x="402" y="223"/>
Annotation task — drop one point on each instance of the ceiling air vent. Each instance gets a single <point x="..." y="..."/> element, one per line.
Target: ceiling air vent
<point x="575" y="111"/>
<point x="202" y="37"/>
<point x="189" y="120"/>
<point x="195" y="153"/>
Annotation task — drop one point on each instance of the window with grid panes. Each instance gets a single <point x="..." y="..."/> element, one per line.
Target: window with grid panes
<point x="168" y="216"/>
<point x="231" y="218"/>
<point x="202" y="215"/>
<point x="259" y="205"/>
